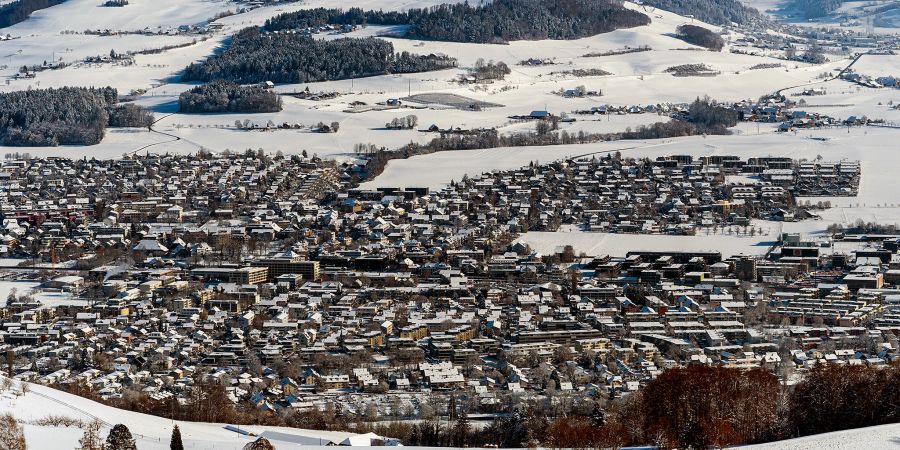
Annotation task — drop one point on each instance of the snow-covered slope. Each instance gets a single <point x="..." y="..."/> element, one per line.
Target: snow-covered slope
<point x="885" y="437"/>
<point x="150" y="432"/>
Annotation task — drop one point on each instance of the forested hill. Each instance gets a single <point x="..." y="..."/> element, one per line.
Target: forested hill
<point x="19" y="10"/>
<point x="497" y="21"/>
<point x="717" y="12"/>
<point x="64" y="116"/>
<point x="811" y="9"/>
<point x="253" y="57"/>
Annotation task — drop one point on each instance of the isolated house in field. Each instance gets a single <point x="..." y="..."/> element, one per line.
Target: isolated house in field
<point x="268" y="85"/>
<point x="364" y="440"/>
<point x="540" y="115"/>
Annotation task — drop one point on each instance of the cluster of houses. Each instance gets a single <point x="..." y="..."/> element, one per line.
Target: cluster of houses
<point x="870" y="81"/>
<point x="297" y="291"/>
<point x="308" y="31"/>
<point x="161" y="31"/>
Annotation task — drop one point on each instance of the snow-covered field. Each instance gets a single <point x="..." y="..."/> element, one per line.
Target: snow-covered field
<point x="50" y="298"/>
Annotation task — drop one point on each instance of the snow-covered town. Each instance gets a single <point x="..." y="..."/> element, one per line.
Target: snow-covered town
<point x="511" y="224"/>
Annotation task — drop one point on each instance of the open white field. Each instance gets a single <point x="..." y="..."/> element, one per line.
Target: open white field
<point x="619" y="244"/>
<point x="49" y="298"/>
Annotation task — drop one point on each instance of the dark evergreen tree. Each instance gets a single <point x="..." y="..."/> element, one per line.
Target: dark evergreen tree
<point x="175" y="443"/>
<point x="120" y="438"/>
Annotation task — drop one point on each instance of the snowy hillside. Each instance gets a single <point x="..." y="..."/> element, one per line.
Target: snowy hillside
<point x="883" y="437"/>
<point x="150" y="432"/>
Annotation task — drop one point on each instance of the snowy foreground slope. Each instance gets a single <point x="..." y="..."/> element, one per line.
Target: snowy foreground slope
<point x="150" y="432"/>
<point x="871" y="438"/>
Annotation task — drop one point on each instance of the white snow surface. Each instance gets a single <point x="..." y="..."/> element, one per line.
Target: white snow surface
<point x="884" y="437"/>
<point x="150" y="432"/>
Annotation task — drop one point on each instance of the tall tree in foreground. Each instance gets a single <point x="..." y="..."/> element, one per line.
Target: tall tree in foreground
<point x="120" y="439"/>
<point x="91" y="440"/>
<point x="11" y="435"/>
<point x="176" y="444"/>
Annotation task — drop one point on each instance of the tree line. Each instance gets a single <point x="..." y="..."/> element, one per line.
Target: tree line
<point x="489" y="70"/>
<point x="693" y="407"/>
<point x="254" y="57"/>
<point x="64" y="116"/>
<point x="226" y="96"/>
<point x="498" y="21"/>
<point x="703" y="37"/>
<point x="19" y="10"/>
<point x="718" y="12"/>
<point x="697" y="406"/>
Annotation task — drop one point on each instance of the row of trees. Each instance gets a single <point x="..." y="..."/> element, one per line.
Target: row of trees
<point x="226" y="96"/>
<point x="703" y="37"/>
<point x="68" y="115"/>
<point x="719" y="12"/>
<point x="491" y="22"/>
<point x="19" y="10"/>
<point x="12" y="436"/>
<point x="710" y="117"/>
<point x="693" y="407"/>
<point x="254" y="57"/>
<point x="490" y="70"/>
<point x="403" y="123"/>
